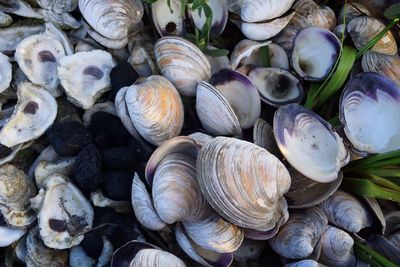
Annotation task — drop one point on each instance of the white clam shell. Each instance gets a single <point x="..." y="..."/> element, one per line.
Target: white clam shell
<point x="259" y="10"/>
<point x="219" y="18"/>
<point x="156" y="258"/>
<point x="165" y="21"/>
<point x="263" y="136"/>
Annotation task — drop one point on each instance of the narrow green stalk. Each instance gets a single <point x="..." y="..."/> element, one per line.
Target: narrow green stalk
<point x="265" y="56"/>
<point x="370" y="256"/>
<point x="386" y="172"/>
<point x="367" y="188"/>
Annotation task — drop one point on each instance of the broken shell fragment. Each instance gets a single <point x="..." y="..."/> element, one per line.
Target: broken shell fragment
<point x="5" y="20"/>
<point x="8" y="234"/>
<point x="85" y="76"/>
<point x="309" y="143"/>
<point x="5" y="72"/>
<point x="47" y="168"/>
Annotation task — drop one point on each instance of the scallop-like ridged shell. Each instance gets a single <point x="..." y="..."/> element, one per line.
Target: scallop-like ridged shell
<point x="321" y="16"/>
<point x="112" y="19"/>
<point x="156" y="258"/>
<point x="143" y="206"/>
<point x="155" y="108"/>
<point x="259" y="10"/>
<point x="215" y="234"/>
<point x="386" y="65"/>
<point x="297" y="238"/>
<point x="5" y="72"/>
<point x="182" y="63"/>
<point x="347" y="212"/>
<point x="243" y="182"/>
<point x="363" y="29"/>
<point x="337" y="248"/>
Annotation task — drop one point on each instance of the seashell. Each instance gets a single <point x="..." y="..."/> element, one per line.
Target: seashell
<point x="256" y="205"/>
<point x="39" y="56"/>
<point x="47" y="154"/>
<point x="265" y="30"/>
<point x="306" y="193"/>
<point x="111" y="19"/>
<point x="63" y="20"/>
<point x="100" y="200"/>
<point x="34" y="112"/>
<point x="40" y="255"/>
<point x="363" y="29"/>
<point x="386" y="65"/>
<point x="182" y="63"/>
<point x="85" y="76"/>
<point x="142" y="58"/>
<point x="20" y="8"/>
<point x="346" y="212"/>
<point x="297" y="238"/>
<point x="219" y="17"/>
<point x="54" y="31"/>
<point x="86" y="45"/>
<point x="228" y="103"/>
<point x="320" y="16"/>
<point x="107" y="107"/>
<point x="263" y="136"/>
<point x="385" y="247"/>
<point x="5" y="72"/>
<point x="249" y="249"/>
<point x="58" y="6"/>
<point x="215" y="234"/>
<point x="8" y="234"/>
<point x="20" y="250"/>
<point x="45" y="169"/>
<point x="78" y="257"/>
<point x="167" y="17"/>
<point x="218" y="63"/>
<point x="205" y="257"/>
<point x="155" y="109"/>
<point x="64" y="214"/>
<point x="392" y="220"/>
<point x="309" y="144"/>
<point x="368" y="106"/>
<point x="259" y="10"/>
<point x="394" y="238"/>
<point x="143" y="206"/>
<point x="304" y="263"/>
<point x="5" y="20"/>
<point x="337" y="248"/>
<point x="13" y="35"/>
<point x="277" y="87"/>
<point x="234" y="6"/>
<point x="353" y="10"/>
<point x="200" y="138"/>
<point x="315" y="51"/>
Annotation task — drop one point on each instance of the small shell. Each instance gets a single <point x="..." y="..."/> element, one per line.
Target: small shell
<point x="5" y="20"/>
<point x="14" y="35"/>
<point x="263" y="136"/>
<point x="58" y="6"/>
<point x="20" y="8"/>
<point x="363" y="29"/>
<point x="297" y="238"/>
<point x="321" y="16"/>
<point x="218" y="63"/>
<point x="166" y="17"/>
<point x="45" y="168"/>
<point x="155" y="108"/>
<point x="259" y="10"/>
<point x="100" y="200"/>
<point x="386" y="65"/>
<point x="156" y="258"/>
<point x="5" y="72"/>
<point x="142" y="59"/>
<point x="347" y="212"/>
<point x="182" y="63"/>
<point x="219" y="16"/>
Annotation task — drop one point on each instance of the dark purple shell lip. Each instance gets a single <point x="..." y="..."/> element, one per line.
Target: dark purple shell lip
<point x="261" y="235"/>
<point x="225" y="76"/>
<point x="124" y="255"/>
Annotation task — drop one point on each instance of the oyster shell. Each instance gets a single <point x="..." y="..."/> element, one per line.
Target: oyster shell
<point x="5" y="72"/>
<point x="11" y="36"/>
<point x="34" y="112"/>
<point x="5" y="19"/>
<point x="64" y="213"/>
<point x="20" y="8"/>
<point x="8" y="234"/>
<point x="58" y="6"/>
<point x="85" y="76"/>
<point x="45" y="169"/>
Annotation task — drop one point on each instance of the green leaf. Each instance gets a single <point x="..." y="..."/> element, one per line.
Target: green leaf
<point x="369" y="189"/>
<point x="216" y="52"/>
<point x="379" y="160"/>
<point x="370" y="256"/>
<point x="265" y="56"/>
<point x="393" y="11"/>
<point x="183" y="8"/>
<point x="334" y="121"/>
<point x="386" y="172"/>
<point x="383" y="182"/>
<point x="312" y="94"/>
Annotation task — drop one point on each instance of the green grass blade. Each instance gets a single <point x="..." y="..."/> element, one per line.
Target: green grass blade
<point x="374" y="159"/>
<point x="386" y="172"/>
<point x="384" y="182"/>
<point x="370" y="256"/>
<point x="312" y="95"/>
<point x="369" y="189"/>
<point x="265" y="56"/>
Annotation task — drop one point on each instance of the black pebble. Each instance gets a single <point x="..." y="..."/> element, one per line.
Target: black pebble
<point x="92" y="244"/>
<point x="87" y="172"/>
<point x="123" y="157"/>
<point x="68" y="138"/>
<point x="122" y="75"/>
<point x="117" y="184"/>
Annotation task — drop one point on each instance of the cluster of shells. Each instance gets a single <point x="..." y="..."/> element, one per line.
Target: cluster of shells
<point x="238" y="173"/>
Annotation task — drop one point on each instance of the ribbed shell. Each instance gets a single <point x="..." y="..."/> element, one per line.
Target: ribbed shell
<point x="259" y="10"/>
<point x="347" y="212"/>
<point x="113" y="18"/>
<point x="263" y="136"/>
<point x="321" y="16"/>
<point x="363" y="29"/>
<point x="156" y="258"/>
<point x="386" y="65"/>
<point x="351" y="11"/>
<point x="244" y="183"/>
<point x="182" y="63"/>
<point x="156" y="109"/>
<point x="297" y="238"/>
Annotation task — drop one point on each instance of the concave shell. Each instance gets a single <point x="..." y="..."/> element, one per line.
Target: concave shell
<point x="64" y="213"/>
<point x="85" y="76"/>
<point x="182" y="63"/>
<point x="363" y="29"/>
<point x="346" y="212"/>
<point x="249" y="249"/>
<point x="386" y="65"/>
<point x="246" y="187"/>
<point x="315" y="51"/>
<point x="15" y="191"/>
<point x="369" y="106"/>
<point x="219" y="16"/>
<point x="155" y="108"/>
<point x="228" y="103"/>
<point x="142" y="58"/>
<point x="165" y="21"/>
<point x="259" y="10"/>
<point x="8" y="234"/>
<point x="13" y="35"/>
<point x="61" y="36"/>
<point x="321" y="16"/>
<point x="5" y="72"/>
<point x="112" y="19"/>
<point x="277" y="87"/>
<point x="47" y="168"/>
<point x="34" y="112"/>
<point x="309" y="143"/>
<point x="263" y="136"/>
<point x="305" y="193"/>
<point x="297" y="238"/>
<point x="39" y="56"/>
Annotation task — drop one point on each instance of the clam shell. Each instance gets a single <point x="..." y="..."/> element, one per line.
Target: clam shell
<point x="263" y="136"/>
<point x="165" y="21"/>
<point x="386" y="65"/>
<point x="5" y="72"/>
<point x="219" y="16"/>
<point x="238" y="186"/>
<point x="244" y="50"/>
<point x="104" y="41"/>
<point x="182" y="63"/>
<point x="259" y="10"/>
<point x="157" y="258"/>
<point x="304" y="263"/>
<point x="58" y="6"/>
<point x="353" y="10"/>
<point x="249" y="249"/>
<point x="321" y="16"/>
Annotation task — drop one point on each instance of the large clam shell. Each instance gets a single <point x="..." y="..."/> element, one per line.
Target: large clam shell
<point x="259" y="10"/>
<point x="386" y="65"/>
<point x="321" y="16"/>
<point x="246" y="187"/>
<point x="219" y="17"/>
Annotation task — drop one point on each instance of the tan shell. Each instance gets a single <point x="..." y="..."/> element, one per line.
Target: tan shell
<point x="46" y="168"/>
<point x="386" y="65"/>
<point x="155" y="109"/>
<point x="182" y="63"/>
<point x="259" y="10"/>
<point x="321" y="16"/>
<point x="363" y="29"/>
<point x="156" y="258"/>
<point x="243" y="183"/>
<point x="297" y="238"/>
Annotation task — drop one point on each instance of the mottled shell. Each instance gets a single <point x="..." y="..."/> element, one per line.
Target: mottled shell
<point x="182" y="63"/>
<point x="47" y="168"/>
<point x="386" y="65"/>
<point x="321" y="16"/>
<point x="58" y="6"/>
<point x="363" y="29"/>
<point x="297" y="238"/>
<point x="156" y="258"/>
<point x="112" y="19"/>
<point x="155" y="108"/>
<point x="5" y="20"/>
<point x="15" y="34"/>
<point x="243" y="182"/>
<point x="259" y="10"/>
<point x="347" y="212"/>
